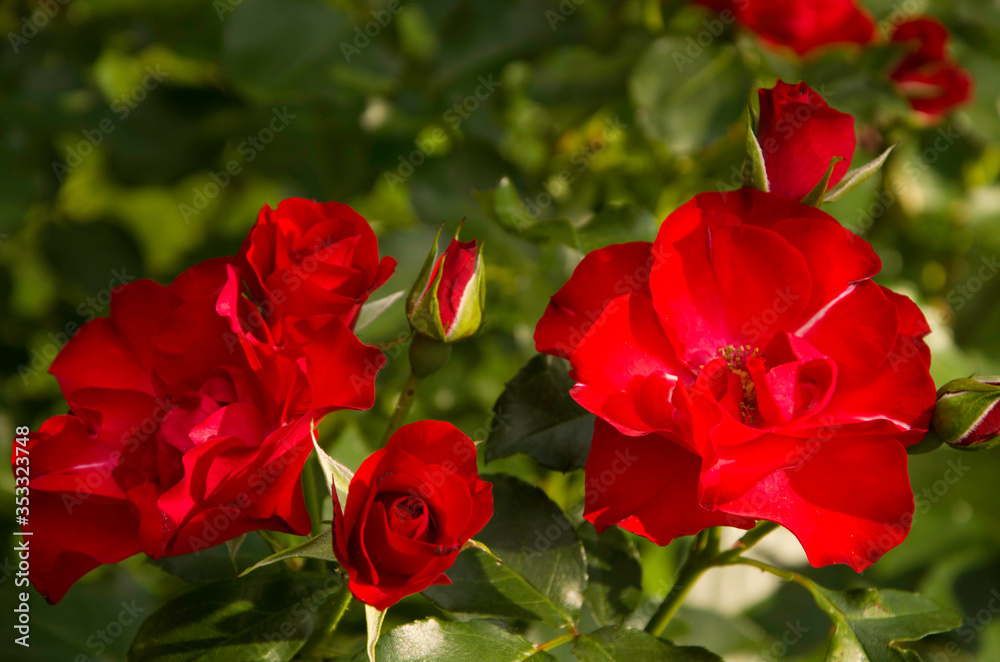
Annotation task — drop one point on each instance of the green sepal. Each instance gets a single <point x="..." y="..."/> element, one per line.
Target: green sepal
<point x="857" y="176"/>
<point x="815" y="197"/>
<point x="754" y="171"/>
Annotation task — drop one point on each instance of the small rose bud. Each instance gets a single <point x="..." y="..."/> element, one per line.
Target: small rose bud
<point x="967" y="415"/>
<point x="446" y="303"/>
<point x="799" y="134"/>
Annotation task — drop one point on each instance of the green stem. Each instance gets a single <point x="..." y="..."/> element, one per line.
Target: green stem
<point x="699" y="559"/>
<point x="749" y="539"/>
<point x="703" y="555"/>
<point x="787" y="575"/>
<point x="313" y="504"/>
<point x="312" y="496"/>
<point x="402" y="406"/>
<point x="327" y="623"/>
<point x="558" y="641"/>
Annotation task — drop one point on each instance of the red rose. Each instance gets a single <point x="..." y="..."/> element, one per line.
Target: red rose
<point x="311" y="260"/>
<point x="802" y="25"/>
<point x="185" y="429"/>
<point x="748" y="369"/>
<point x="927" y="77"/>
<point x="798" y="135"/>
<point x="410" y="508"/>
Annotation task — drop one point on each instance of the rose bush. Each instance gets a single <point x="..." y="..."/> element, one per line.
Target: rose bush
<point x="410" y="508"/>
<point x="187" y="425"/>
<point x="757" y="372"/>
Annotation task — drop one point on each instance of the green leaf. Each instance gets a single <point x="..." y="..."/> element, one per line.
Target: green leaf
<point x="686" y="99"/>
<point x="537" y="416"/>
<point x="263" y="617"/>
<point x="560" y="230"/>
<point x="543" y="576"/>
<point x="234" y="546"/>
<point x="870" y="621"/>
<point x="372" y="310"/>
<point x="857" y="176"/>
<point x="373" y="620"/>
<point x="319" y="547"/>
<point x="617" y="224"/>
<point x="504" y="206"/>
<point x="337" y="475"/>
<point x="444" y="641"/>
<point x="754" y="170"/>
<point x="614" y="575"/>
<point x="216" y="563"/>
<point x="612" y="644"/>
<point x="815" y="197"/>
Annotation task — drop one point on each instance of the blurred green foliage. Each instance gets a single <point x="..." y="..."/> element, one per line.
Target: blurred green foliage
<point x="125" y="121"/>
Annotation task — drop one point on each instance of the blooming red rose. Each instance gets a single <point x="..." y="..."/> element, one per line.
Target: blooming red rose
<point x="798" y="135"/>
<point x="311" y="260"/>
<point x="186" y="428"/>
<point x="927" y="77"/>
<point x="802" y="25"/>
<point x="748" y="368"/>
<point x="446" y="301"/>
<point x="410" y="508"/>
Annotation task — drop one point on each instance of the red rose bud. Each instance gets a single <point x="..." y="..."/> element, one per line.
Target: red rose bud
<point x="446" y="303"/>
<point x="800" y="25"/>
<point x="967" y="415"/>
<point x="410" y="508"/>
<point x="927" y="77"/>
<point x="799" y="134"/>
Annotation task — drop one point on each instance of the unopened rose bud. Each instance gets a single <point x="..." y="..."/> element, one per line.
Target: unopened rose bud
<point x="446" y="302"/>
<point x="967" y="415"/>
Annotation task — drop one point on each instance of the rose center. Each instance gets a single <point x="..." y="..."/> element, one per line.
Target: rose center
<point x="409" y="516"/>
<point x="741" y="398"/>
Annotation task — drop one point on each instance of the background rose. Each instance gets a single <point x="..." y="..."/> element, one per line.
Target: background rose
<point x="410" y="508"/>
<point x="311" y="260"/>
<point x="803" y="26"/>
<point x="927" y="76"/>
<point x="756" y="372"/>
<point x="185" y="429"/>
